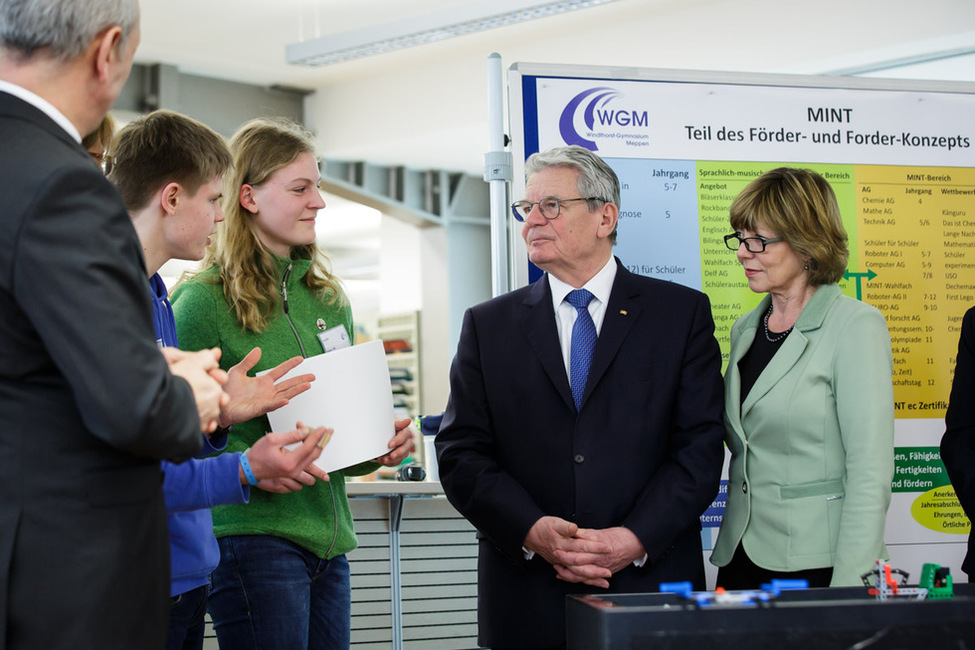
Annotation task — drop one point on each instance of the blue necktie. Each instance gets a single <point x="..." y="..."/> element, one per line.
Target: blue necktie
<point x="582" y="344"/>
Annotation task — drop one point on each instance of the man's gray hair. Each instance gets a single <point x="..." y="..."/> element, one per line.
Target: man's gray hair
<point x="596" y="178"/>
<point x="62" y="29"/>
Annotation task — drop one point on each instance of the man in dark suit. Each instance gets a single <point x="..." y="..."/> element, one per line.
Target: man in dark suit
<point x="88" y="405"/>
<point x="958" y="442"/>
<point x="580" y="480"/>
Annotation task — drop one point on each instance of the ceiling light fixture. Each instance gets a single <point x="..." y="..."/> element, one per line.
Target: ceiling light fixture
<point x="428" y="28"/>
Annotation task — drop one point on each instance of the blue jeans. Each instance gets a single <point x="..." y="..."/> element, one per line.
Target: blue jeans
<point x="272" y="594"/>
<point x="187" y="613"/>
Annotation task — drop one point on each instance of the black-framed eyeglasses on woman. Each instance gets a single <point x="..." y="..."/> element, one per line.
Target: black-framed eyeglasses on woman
<point x="755" y="244"/>
<point x="550" y="207"/>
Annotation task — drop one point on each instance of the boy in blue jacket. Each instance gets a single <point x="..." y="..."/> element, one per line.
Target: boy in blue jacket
<point x="169" y="169"/>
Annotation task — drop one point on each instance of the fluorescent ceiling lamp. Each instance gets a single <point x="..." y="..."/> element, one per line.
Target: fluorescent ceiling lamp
<point x="428" y="28"/>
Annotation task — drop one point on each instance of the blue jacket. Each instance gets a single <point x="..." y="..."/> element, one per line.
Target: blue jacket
<point x="193" y="487"/>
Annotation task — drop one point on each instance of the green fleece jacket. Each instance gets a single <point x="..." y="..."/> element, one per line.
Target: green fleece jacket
<point x="316" y="517"/>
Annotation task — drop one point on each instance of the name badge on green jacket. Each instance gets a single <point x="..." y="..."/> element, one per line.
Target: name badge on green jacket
<point x="334" y="338"/>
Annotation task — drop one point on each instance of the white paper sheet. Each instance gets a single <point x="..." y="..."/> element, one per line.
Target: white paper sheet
<point x="351" y="394"/>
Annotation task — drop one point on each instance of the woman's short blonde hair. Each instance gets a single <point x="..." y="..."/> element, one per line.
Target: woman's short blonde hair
<point x="799" y="206"/>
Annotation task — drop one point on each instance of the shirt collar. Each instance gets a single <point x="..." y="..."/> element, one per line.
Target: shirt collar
<point x="42" y="105"/>
<point x="600" y="285"/>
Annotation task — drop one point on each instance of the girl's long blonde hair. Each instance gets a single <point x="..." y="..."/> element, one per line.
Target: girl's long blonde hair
<point x="246" y="267"/>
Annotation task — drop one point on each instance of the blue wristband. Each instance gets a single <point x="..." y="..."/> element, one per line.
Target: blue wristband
<point x="246" y="466"/>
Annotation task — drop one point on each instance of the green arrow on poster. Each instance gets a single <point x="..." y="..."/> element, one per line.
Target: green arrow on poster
<point x="869" y="275"/>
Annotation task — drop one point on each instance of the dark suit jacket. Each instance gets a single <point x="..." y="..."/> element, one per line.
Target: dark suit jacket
<point x="958" y="443"/>
<point x="644" y="451"/>
<point x="87" y="405"/>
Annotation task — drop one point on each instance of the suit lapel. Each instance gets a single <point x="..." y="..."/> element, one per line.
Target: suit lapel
<point x="622" y="311"/>
<point x="739" y="346"/>
<point x="537" y="320"/>
<point x="783" y="361"/>
<point x="795" y="344"/>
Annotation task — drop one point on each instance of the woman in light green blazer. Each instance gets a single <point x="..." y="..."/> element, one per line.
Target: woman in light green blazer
<point x="809" y="405"/>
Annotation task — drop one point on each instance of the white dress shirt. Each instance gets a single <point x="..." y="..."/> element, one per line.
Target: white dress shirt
<point x="600" y="286"/>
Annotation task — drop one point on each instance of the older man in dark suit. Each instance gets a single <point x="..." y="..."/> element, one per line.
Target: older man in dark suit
<point x="583" y="436"/>
<point x="958" y="442"/>
<point x="88" y="405"/>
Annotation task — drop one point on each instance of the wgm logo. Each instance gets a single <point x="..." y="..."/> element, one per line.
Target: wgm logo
<point x="592" y="108"/>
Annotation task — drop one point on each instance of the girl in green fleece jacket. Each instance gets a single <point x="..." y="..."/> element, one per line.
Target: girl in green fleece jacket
<point x="283" y="578"/>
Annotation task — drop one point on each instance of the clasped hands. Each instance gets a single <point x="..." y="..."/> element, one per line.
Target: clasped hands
<point x="202" y="372"/>
<point x="583" y="555"/>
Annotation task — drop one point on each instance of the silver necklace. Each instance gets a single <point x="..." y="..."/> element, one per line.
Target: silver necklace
<point x="768" y="335"/>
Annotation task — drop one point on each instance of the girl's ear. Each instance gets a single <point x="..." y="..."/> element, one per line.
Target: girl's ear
<point x="247" y="199"/>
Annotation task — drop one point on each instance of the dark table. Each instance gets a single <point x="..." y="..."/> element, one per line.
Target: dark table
<point x="819" y="619"/>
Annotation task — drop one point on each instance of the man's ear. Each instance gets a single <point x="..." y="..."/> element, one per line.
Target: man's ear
<point x="108" y="51"/>
<point x="169" y="198"/>
<point x="609" y="215"/>
<point x="247" y="199"/>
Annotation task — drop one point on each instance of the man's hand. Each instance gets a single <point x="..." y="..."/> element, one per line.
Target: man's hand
<point x="251" y="397"/>
<point x="401" y="444"/>
<point x="624" y="547"/>
<point x="550" y="535"/>
<point x="201" y="370"/>
<point x="583" y="555"/>
<point x="281" y="470"/>
<point x="557" y="541"/>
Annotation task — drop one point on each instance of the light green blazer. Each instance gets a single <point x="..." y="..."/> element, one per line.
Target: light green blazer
<point x="812" y="447"/>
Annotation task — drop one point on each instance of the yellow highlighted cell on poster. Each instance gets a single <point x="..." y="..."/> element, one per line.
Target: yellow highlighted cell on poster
<point x="916" y="239"/>
<point x="939" y="510"/>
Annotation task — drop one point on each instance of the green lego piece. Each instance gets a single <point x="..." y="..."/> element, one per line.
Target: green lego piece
<point x="937" y="580"/>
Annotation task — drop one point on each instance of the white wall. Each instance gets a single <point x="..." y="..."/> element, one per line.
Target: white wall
<point x="431" y="103"/>
<point x="436" y="351"/>
<point x="413" y="276"/>
<point x="399" y="267"/>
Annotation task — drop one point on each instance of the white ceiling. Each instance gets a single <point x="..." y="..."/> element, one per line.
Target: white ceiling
<point x="244" y="40"/>
<point x="426" y="107"/>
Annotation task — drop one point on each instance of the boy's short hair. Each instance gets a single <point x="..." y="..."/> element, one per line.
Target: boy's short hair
<point x="165" y="147"/>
